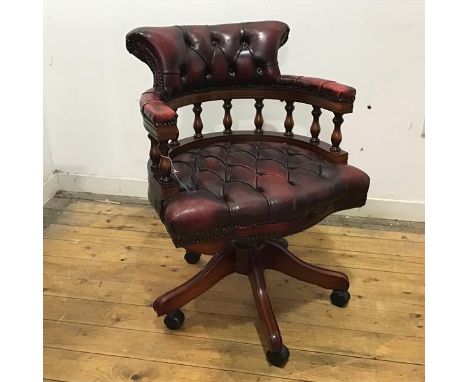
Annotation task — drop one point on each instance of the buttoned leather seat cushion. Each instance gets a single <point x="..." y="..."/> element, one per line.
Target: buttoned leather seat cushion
<point x="256" y="190"/>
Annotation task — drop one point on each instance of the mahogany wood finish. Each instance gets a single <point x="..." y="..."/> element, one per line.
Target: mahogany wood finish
<point x="164" y="161"/>
<point x="227" y="120"/>
<point x="264" y="309"/>
<point x="208" y="248"/>
<point x="258" y="120"/>
<point x="175" y="139"/>
<point x="252" y="260"/>
<point x="154" y="154"/>
<point x="280" y="259"/>
<point x="265" y="92"/>
<point x="220" y="266"/>
<point x="232" y="174"/>
<point x="336" y="135"/>
<point x="289" y="121"/>
<point x="315" y="127"/>
<point x="197" y="122"/>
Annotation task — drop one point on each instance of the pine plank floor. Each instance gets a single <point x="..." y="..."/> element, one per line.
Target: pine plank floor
<point x="107" y="258"/>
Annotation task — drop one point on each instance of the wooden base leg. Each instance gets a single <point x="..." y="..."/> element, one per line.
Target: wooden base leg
<point x="252" y="260"/>
<point x="277" y="353"/>
<point x="220" y="266"/>
<point x="278" y="258"/>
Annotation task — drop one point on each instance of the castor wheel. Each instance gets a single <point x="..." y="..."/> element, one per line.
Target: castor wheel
<point x="192" y="257"/>
<point x="174" y="320"/>
<point x="278" y="358"/>
<point x="283" y="242"/>
<point x="340" y="298"/>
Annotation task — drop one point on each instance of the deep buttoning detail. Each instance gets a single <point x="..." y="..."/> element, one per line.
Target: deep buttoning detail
<point x="235" y="184"/>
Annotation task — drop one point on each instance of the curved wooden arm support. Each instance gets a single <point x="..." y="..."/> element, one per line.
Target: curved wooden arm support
<point x="321" y="148"/>
<point x="161" y="123"/>
<point x="261" y="92"/>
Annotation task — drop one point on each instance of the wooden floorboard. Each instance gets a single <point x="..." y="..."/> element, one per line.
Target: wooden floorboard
<point x="84" y="366"/>
<point x="364" y="344"/>
<point x="107" y="258"/>
<point x="370" y="292"/>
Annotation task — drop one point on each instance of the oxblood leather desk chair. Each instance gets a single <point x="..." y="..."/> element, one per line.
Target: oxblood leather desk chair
<point x="236" y="194"/>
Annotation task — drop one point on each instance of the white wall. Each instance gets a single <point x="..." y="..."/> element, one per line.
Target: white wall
<point x="47" y="163"/>
<point x="49" y="178"/>
<point x="92" y="86"/>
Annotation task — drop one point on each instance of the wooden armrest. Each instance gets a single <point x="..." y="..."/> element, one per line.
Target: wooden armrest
<point x="158" y="118"/>
<point x="326" y="89"/>
<point x="161" y="123"/>
<point x="337" y="97"/>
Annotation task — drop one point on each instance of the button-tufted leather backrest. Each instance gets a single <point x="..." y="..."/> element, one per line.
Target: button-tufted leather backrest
<point x="187" y="58"/>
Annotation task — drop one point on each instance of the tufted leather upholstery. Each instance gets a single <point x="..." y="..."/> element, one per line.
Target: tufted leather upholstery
<point x="184" y="58"/>
<point x="156" y="110"/>
<point x="324" y="88"/>
<point x="256" y="190"/>
<point x="229" y="189"/>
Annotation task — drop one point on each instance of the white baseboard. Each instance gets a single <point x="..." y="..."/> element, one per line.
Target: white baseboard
<point x="49" y="188"/>
<point x="375" y="208"/>
<point x="103" y="185"/>
<point x="389" y="209"/>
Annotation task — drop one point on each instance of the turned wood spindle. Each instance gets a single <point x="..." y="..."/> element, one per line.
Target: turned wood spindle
<point x="227" y="120"/>
<point x="154" y="153"/>
<point x="315" y="126"/>
<point x="197" y="122"/>
<point x="164" y="162"/>
<point x="289" y="121"/>
<point x="258" y="116"/>
<point x="175" y="141"/>
<point x="336" y="135"/>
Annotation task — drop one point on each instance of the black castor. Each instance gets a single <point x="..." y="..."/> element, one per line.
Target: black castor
<point x="283" y="242"/>
<point x="278" y="358"/>
<point x="174" y="320"/>
<point x="340" y="298"/>
<point x="192" y="257"/>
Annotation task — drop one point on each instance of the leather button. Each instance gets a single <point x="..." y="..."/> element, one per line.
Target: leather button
<point x="244" y="45"/>
<point x="259" y="70"/>
<point x="213" y="42"/>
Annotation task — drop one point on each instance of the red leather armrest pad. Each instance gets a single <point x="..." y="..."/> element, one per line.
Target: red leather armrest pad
<point x="324" y="88"/>
<point x="155" y="109"/>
